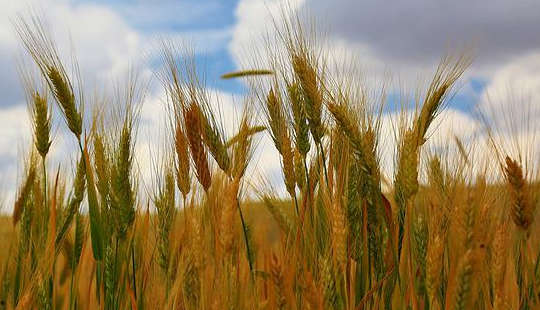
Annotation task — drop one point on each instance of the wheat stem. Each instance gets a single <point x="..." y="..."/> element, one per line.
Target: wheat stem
<point x="133" y="268"/>
<point x="246" y="240"/>
<point x="323" y="159"/>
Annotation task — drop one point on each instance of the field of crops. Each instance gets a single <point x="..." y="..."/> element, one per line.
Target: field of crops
<point x="447" y="230"/>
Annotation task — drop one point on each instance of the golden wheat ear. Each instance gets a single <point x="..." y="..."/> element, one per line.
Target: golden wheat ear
<point x="198" y="153"/>
<point x="242" y="144"/>
<point x="183" y="179"/>
<point x="521" y="207"/>
<point x="440" y="90"/>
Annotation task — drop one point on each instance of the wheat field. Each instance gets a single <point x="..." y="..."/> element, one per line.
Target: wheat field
<point x="444" y="231"/>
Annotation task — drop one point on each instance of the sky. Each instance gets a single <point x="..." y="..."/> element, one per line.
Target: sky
<point x="403" y="38"/>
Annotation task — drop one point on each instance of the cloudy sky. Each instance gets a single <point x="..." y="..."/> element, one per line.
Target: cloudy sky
<point x="406" y="38"/>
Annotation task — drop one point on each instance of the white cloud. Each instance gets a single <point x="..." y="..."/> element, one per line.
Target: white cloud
<point x="14" y="140"/>
<point x="16" y="129"/>
<point x="510" y="102"/>
<point x="106" y="45"/>
<point x="507" y="57"/>
<point x="255" y="25"/>
<point x="515" y="83"/>
<point x="197" y="41"/>
<point x="419" y="31"/>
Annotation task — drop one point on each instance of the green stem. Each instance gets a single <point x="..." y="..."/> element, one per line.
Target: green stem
<point x="308" y="189"/>
<point x="45" y="203"/>
<point x="82" y="153"/>
<point x="244" y="228"/>
<point x="304" y="160"/>
<point x="44" y="179"/>
<point x="296" y="205"/>
<point x="323" y="158"/>
<point x="98" y="281"/>
<point x="111" y="293"/>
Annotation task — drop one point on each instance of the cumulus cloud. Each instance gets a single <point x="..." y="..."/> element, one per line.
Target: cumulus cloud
<point x="421" y="30"/>
<point x="16" y="132"/>
<point x="517" y="82"/>
<point x="407" y="39"/>
<point x="103" y="42"/>
<point x="16" y="125"/>
<point x="254" y="28"/>
<point x="510" y="105"/>
<point x="106" y="44"/>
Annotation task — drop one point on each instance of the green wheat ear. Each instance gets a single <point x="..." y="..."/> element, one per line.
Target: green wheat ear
<point x="215" y="143"/>
<point x="246" y="73"/>
<point x="301" y="126"/>
<point x="42" y="124"/>
<point x="309" y="84"/>
<point x="63" y="93"/>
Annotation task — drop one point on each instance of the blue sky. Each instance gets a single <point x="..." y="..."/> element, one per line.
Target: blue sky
<point x="403" y="38"/>
<point x="198" y="22"/>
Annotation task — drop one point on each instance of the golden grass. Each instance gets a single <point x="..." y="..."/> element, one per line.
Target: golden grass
<point x="203" y="237"/>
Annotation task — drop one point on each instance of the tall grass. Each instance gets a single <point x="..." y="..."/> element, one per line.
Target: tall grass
<point x="344" y="237"/>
